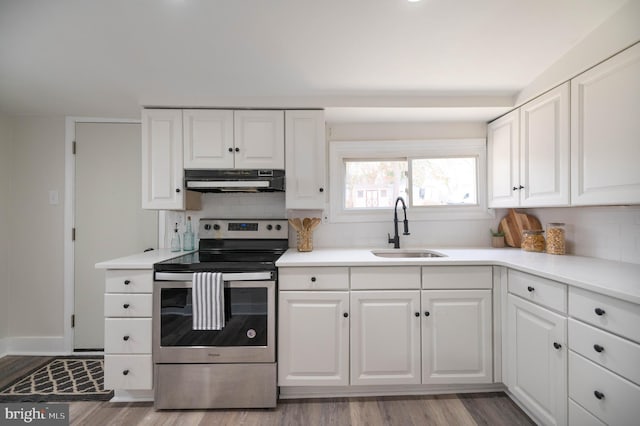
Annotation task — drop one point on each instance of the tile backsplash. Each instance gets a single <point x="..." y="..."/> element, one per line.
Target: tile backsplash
<point x="607" y="232"/>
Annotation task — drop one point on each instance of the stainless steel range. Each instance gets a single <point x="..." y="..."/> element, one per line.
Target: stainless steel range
<point x="230" y="368"/>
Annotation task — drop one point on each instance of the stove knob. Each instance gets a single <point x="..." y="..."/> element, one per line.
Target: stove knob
<point x="216" y="227"/>
<point x="207" y="227"/>
<point x="269" y="227"/>
<point x="278" y="227"/>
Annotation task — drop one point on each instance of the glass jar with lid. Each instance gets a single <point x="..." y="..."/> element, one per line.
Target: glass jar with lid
<point x="556" y="238"/>
<point x="533" y="240"/>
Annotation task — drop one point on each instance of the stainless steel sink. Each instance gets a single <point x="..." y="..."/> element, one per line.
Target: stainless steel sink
<point x="406" y="253"/>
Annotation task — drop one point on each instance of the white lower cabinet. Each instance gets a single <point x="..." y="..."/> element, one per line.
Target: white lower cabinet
<point x="313" y="338"/>
<point x="537" y="359"/>
<point x="385" y="337"/>
<point x="456" y="336"/>
<point x="128" y="363"/>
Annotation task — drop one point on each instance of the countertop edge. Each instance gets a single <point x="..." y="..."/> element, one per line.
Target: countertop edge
<point x="569" y="269"/>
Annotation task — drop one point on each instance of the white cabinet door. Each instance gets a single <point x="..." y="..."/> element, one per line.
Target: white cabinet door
<point x="456" y="336"/>
<point x="305" y="159"/>
<point x="162" y="166"/>
<point x="385" y="337"/>
<point x="259" y="139"/>
<point x="208" y="139"/>
<point x="544" y="149"/>
<point x="604" y="132"/>
<point x="313" y="338"/>
<point x="537" y="360"/>
<point x="503" y="158"/>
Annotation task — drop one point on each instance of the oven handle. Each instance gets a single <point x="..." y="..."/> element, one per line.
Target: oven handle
<point x="239" y="276"/>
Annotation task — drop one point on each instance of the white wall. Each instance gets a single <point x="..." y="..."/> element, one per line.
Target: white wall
<point x="35" y="231"/>
<point x="423" y="233"/>
<point x="620" y="31"/>
<point x="605" y="232"/>
<point x="5" y="180"/>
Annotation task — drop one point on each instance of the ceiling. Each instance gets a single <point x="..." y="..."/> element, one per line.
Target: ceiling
<point x="365" y="60"/>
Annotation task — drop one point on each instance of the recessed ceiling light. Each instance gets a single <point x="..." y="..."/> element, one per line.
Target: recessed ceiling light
<point x="413" y="1"/>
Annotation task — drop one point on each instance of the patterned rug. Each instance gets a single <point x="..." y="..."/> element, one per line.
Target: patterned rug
<point x="61" y="379"/>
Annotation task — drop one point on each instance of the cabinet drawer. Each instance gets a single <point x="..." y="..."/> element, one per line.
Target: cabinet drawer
<point x="542" y="291"/>
<point x="618" y="402"/>
<point x="578" y="416"/>
<point x="129" y="281"/>
<point x="618" y="355"/>
<point x="385" y="277"/>
<point x="128" y="372"/>
<point x="457" y="277"/>
<point x="127" y="335"/>
<point x="320" y="278"/>
<point x="127" y="305"/>
<point x="615" y="315"/>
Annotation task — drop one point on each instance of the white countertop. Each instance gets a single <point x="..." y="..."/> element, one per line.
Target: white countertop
<point x="616" y="279"/>
<point x="140" y="260"/>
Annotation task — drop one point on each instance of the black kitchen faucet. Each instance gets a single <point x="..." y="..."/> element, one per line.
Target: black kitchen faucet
<point x="396" y="238"/>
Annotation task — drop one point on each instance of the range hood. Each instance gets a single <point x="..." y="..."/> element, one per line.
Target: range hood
<point x="240" y="180"/>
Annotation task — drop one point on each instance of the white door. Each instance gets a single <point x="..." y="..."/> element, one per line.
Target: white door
<point x="313" y="338"/>
<point x="109" y="221"/>
<point x="259" y="139"/>
<point x="544" y="149"/>
<point x="503" y="157"/>
<point x="208" y="138"/>
<point x="456" y="336"/>
<point x="537" y="359"/>
<point x="385" y="337"/>
<point x="305" y="159"/>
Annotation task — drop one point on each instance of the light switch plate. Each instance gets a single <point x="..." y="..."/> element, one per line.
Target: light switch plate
<point x="53" y="197"/>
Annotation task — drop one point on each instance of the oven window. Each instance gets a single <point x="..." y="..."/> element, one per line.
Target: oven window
<point x="245" y="319"/>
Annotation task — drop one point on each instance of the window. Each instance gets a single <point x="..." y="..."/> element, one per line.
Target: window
<point x="437" y="179"/>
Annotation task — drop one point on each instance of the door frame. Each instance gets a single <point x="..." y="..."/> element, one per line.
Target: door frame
<point x="69" y="216"/>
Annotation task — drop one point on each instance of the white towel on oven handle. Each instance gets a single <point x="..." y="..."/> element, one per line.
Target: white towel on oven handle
<point x="208" y="301"/>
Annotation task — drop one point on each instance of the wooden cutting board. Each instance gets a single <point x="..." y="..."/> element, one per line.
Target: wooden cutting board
<point x="514" y="223"/>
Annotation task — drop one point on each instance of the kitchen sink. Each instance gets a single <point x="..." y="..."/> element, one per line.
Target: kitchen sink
<point x="406" y="253"/>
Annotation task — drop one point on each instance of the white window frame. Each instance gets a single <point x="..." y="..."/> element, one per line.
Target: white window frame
<point x="339" y="151"/>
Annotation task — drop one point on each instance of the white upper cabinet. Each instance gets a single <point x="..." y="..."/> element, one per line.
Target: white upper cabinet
<point x="605" y="124"/>
<point x="544" y="150"/>
<point x="162" y="165"/>
<point x="528" y="153"/>
<point x="305" y="159"/>
<point x="226" y="139"/>
<point x="259" y="139"/>
<point x="503" y="156"/>
<point x="208" y="139"/>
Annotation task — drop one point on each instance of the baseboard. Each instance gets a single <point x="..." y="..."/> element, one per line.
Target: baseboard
<point x="123" y="395"/>
<point x="295" y="392"/>
<point x="54" y="345"/>
<point x="3" y="347"/>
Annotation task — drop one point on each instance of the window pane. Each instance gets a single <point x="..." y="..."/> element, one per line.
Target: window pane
<point x="371" y="184"/>
<point x="444" y="181"/>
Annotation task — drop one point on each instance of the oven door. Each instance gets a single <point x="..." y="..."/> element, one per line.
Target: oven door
<point x="248" y="334"/>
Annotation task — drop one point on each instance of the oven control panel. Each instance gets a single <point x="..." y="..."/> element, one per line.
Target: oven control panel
<point x="243" y="228"/>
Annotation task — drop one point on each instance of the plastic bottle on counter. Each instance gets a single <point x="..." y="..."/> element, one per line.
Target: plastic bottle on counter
<point x="175" y="240"/>
<point x="187" y="237"/>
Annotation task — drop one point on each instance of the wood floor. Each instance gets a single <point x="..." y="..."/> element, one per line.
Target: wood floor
<point x="451" y="410"/>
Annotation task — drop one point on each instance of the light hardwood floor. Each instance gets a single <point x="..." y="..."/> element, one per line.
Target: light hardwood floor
<point x="450" y="410"/>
